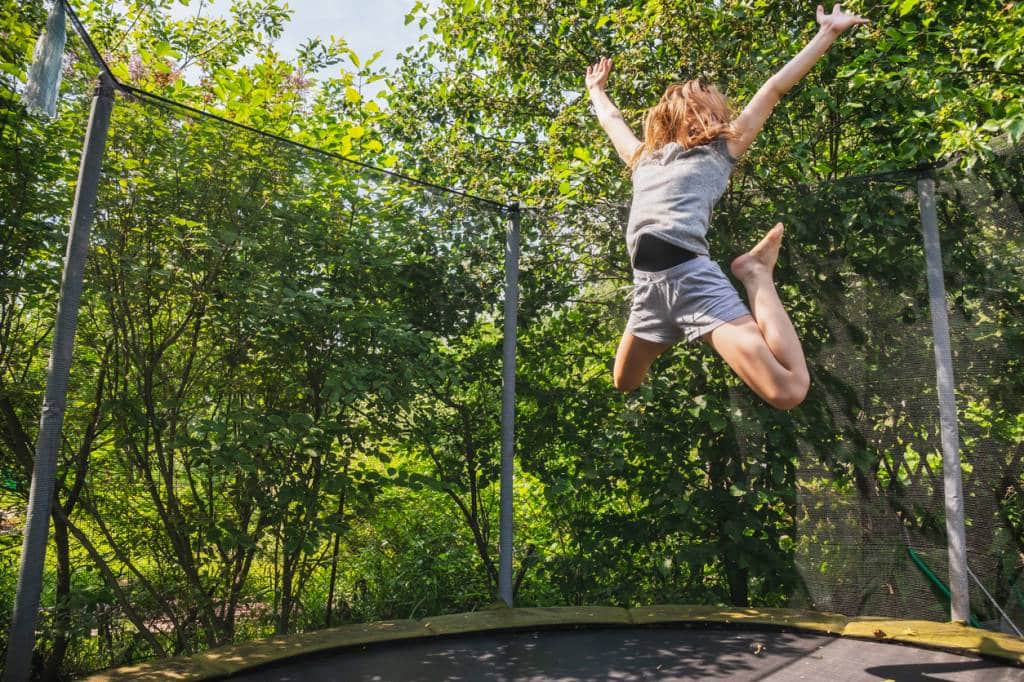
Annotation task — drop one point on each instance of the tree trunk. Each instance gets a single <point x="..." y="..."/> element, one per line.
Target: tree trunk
<point x="738" y="578"/>
<point x="62" y="617"/>
<point x="287" y="578"/>
<point x="334" y="552"/>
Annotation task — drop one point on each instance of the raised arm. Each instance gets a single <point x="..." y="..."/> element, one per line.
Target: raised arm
<point x="749" y="123"/>
<point x="608" y="115"/>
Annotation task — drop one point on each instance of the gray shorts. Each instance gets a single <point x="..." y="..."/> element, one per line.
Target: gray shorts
<point x="684" y="302"/>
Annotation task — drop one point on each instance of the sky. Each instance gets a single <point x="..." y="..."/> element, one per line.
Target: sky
<point x="366" y="25"/>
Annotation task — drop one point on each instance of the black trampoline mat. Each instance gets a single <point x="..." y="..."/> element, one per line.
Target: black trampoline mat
<point x="635" y="654"/>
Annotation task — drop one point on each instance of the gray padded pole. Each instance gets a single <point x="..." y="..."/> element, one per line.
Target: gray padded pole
<point x="37" y="525"/>
<point x="508" y="403"/>
<point x="950" y="434"/>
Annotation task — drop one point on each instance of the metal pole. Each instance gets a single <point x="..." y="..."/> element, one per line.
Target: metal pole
<point x="508" y="402"/>
<point x="950" y="435"/>
<point x="37" y="525"/>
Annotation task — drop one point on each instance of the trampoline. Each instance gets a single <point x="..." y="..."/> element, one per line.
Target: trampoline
<point x="603" y="643"/>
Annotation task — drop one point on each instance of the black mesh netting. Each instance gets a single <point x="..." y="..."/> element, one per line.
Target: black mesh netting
<point x="258" y="317"/>
<point x="698" y="492"/>
<point x="870" y="521"/>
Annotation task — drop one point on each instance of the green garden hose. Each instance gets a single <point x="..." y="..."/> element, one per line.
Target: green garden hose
<point x="938" y="583"/>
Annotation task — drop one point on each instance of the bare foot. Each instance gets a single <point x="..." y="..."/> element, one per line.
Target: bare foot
<point x="760" y="260"/>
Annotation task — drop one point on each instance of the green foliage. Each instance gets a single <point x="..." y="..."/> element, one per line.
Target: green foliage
<point x="925" y="80"/>
<point x="284" y="405"/>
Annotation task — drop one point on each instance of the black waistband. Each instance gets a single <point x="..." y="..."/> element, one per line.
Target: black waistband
<point x="654" y="254"/>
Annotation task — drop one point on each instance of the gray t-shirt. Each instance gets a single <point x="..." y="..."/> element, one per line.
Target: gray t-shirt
<point x="674" y="190"/>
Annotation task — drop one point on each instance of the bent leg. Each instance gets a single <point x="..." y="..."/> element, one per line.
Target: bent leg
<point x="743" y="346"/>
<point x="764" y="350"/>
<point x="633" y="359"/>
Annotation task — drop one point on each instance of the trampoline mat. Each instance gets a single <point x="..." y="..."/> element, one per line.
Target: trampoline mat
<point x="635" y="654"/>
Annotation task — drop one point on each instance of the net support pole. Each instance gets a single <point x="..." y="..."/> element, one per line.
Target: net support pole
<point x="950" y="435"/>
<point x="21" y="639"/>
<point x="508" y="402"/>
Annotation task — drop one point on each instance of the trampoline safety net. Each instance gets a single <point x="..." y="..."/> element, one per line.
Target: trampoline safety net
<point x="869" y="511"/>
<point x="285" y="362"/>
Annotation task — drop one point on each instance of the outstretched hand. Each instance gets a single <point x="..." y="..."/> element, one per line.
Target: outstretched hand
<point x="597" y="74"/>
<point x="838" y="21"/>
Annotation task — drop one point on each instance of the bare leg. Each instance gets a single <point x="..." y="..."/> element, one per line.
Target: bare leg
<point x="633" y="359"/>
<point x="755" y="269"/>
<point x="764" y="350"/>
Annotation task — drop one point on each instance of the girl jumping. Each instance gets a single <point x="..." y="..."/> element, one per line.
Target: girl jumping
<point x="680" y="170"/>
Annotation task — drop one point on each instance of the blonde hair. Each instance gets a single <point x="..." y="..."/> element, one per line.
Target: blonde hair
<point x="691" y="113"/>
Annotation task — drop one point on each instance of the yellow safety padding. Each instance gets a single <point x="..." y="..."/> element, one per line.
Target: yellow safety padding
<point x="956" y="637"/>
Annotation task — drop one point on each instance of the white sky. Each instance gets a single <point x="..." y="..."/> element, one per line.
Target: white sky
<point x="366" y="25"/>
